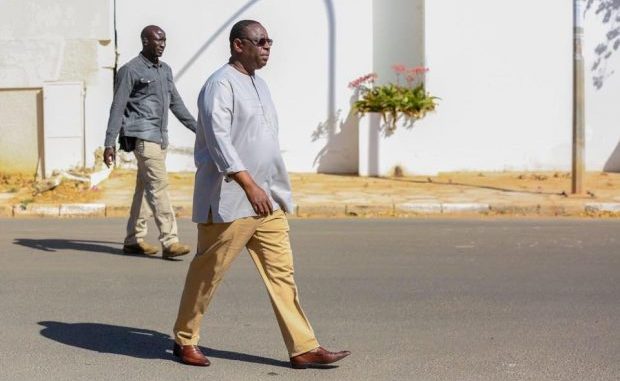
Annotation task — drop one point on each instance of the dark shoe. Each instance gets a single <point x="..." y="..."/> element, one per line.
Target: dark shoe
<point x="317" y="358"/>
<point x="140" y="248"/>
<point x="175" y="250"/>
<point x="190" y="355"/>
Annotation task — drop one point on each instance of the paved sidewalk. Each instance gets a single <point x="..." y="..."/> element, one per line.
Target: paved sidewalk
<point x="321" y="195"/>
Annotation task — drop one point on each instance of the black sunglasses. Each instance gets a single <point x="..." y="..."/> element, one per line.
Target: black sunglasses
<point x="260" y="43"/>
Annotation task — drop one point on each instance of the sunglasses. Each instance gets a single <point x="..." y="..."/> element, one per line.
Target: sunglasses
<point x="260" y="43"/>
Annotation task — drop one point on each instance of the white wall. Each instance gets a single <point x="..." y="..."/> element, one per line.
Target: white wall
<point x="298" y="72"/>
<point x="602" y="102"/>
<point x="67" y="19"/>
<point x="503" y="70"/>
<point x="398" y="39"/>
<point x="398" y="36"/>
<point x="504" y="73"/>
<point x="60" y="40"/>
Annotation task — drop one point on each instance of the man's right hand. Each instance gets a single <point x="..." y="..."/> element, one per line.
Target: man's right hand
<point x="259" y="200"/>
<point x="256" y="195"/>
<point x="109" y="156"/>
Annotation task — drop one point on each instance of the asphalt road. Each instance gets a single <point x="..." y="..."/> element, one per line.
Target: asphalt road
<point x="425" y="299"/>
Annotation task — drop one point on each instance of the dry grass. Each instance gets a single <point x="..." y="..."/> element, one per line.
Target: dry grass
<point x="599" y="184"/>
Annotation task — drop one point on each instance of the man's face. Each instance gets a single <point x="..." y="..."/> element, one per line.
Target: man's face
<point x="155" y="42"/>
<point x="256" y="45"/>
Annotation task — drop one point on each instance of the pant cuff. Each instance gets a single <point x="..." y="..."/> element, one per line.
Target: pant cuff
<point x="184" y="341"/>
<point x="167" y="244"/>
<point x="301" y="349"/>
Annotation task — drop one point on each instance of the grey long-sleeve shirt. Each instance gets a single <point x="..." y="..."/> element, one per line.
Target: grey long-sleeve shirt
<point x="143" y="93"/>
<point x="237" y="131"/>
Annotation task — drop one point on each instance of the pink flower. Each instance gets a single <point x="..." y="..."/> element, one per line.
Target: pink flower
<point x="417" y="70"/>
<point x="399" y="68"/>
<point x="356" y="83"/>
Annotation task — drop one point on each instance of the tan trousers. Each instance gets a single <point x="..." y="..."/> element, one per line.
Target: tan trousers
<point x="150" y="197"/>
<point x="267" y="241"/>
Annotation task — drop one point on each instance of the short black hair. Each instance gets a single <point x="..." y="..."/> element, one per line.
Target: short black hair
<point x="146" y="30"/>
<point x="238" y="30"/>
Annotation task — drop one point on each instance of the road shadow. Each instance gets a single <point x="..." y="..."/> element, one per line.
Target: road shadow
<point x="133" y="342"/>
<point x="56" y="244"/>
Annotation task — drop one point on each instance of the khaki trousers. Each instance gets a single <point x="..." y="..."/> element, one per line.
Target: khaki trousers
<point x="150" y="197"/>
<point x="267" y="241"/>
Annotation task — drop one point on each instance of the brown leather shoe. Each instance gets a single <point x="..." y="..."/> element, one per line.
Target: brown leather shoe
<point x="175" y="250"/>
<point x="317" y="358"/>
<point x="190" y="355"/>
<point x="140" y="248"/>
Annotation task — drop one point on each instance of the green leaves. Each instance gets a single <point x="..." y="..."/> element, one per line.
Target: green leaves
<point x="393" y="101"/>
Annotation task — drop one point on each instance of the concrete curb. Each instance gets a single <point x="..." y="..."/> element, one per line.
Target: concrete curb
<point x="36" y="210"/>
<point x="117" y="211"/>
<point x="333" y="210"/>
<point x="515" y="209"/>
<point x="464" y="207"/>
<point x="539" y="209"/>
<point x="6" y="210"/>
<point x="418" y="208"/>
<point x="441" y="208"/>
<point x="82" y="210"/>
<point x="594" y="207"/>
<point x="362" y="210"/>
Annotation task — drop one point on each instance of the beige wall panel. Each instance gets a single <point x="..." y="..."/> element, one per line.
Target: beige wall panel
<point x="63" y="104"/>
<point x="20" y="128"/>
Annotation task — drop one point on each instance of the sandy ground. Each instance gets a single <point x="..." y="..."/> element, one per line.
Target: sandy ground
<point x="323" y="188"/>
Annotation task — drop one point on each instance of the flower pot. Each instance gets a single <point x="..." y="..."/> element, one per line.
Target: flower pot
<point x="368" y="140"/>
<point x="380" y="153"/>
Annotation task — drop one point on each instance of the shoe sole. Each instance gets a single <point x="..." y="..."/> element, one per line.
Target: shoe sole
<point x="316" y="365"/>
<point x="135" y="252"/>
<point x="168" y="256"/>
<point x="313" y="365"/>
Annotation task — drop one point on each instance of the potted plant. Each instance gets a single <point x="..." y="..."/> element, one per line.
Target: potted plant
<point x="384" y="109"/>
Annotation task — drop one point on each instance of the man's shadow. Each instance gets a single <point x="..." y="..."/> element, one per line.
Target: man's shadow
<point x="133" y="342"/>
<point x="58" y="244"/>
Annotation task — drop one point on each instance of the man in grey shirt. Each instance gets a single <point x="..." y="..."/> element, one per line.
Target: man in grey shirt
<point x="143" y="93"/>
<point x="240" y="195"/>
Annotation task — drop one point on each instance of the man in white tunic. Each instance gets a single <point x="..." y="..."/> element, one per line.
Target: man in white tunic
<point x="241" y="194"/>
